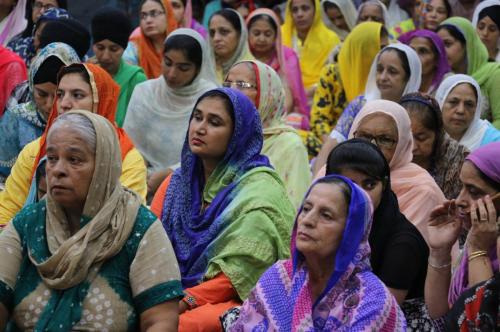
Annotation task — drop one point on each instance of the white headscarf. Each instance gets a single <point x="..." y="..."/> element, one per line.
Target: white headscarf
<point x="474" y="134"/>
<point x="347" y="9"/>
<point x="372" y="92"/>
<point x="475" y="17"/>
<point x="377" y="3"/>
<point x="396" y="15"/>
<point x="158" y="115"/>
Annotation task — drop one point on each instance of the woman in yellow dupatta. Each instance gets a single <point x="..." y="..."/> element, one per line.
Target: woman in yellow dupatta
<point x="305" y="32"/>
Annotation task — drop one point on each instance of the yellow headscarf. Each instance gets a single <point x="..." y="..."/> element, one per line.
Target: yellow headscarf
<point x="319" y="43"/>
<point x="356" y="56"/>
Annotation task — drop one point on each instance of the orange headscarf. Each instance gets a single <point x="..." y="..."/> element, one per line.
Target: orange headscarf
<point x="105" y="93"/>
<point x="149" y="58"/>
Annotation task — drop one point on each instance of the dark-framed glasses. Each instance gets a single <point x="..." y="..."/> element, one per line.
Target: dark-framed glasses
<point x="381" y="141"/>
<point x="152" y="14"/>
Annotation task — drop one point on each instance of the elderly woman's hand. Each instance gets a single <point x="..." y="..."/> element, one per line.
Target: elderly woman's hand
<point x="443" y="229"/>
<point x="483" y="233"/>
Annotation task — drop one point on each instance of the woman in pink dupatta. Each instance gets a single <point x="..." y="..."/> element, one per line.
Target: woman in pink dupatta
<point x="417" y="192"/>
<point x="183" y="12"/>
<point x="285" y="62"/>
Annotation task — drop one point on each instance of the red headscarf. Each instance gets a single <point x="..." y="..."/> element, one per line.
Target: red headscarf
<point x="12" y="72"/>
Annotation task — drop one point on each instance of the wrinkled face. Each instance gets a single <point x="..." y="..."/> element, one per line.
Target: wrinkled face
<point x="178" y="8"/>
<point x="40" y="7"/>
<point x="474" y="188"/>
<point x="243" y="72"/>
<point x="488" y="32"/>
<point x="70" y="166"/>
<point x="372" y="186"/>
<point x="262" y="37"/>
<point x="153" y="19"/>
<point x="73" y="92"/>
<point x="321" y="223"/>
<point x="380" y="129"/>
<point x="455" y="51"/>
<point x="459" y="109"/>
<point x="423" y="140"/>
<point x="108" y="55"/>
<point x="178" y="71"/>
<point x="426" y="54"/>
<point x="390" y="77"/>
<point x="335" y="15"/>
<point x="224" y="37"/>
<point x="302" y="14"/>
<point x="435" y="13"/>
<point x="44" y="94"/>
<point x="210" y="129"/>
<point x="371" y="13"/>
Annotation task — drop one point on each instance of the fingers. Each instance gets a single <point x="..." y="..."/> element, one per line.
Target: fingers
<point x="483" y="213"/>
<point x="491" y="210"/>
<point x="473" y="214"/>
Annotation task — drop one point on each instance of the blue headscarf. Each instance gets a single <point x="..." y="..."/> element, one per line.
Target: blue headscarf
<point x="191" y="231"/>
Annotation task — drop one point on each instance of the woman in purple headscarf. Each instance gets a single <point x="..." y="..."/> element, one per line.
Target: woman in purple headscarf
<point x="328" y="284"/>
<point x="452" y="270"/>
<point x="432" y="54"/>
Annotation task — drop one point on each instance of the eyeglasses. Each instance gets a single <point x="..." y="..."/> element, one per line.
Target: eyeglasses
<point x="40" y="5"/>
<point x="152" y="14"/>
<point x="380" y="141"/>
<point x="240" y="85"/>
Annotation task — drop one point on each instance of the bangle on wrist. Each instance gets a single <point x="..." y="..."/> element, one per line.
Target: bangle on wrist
<point x="438" y="267"/>
<point x="190" y="301"/>
<point x="477" y="254"/>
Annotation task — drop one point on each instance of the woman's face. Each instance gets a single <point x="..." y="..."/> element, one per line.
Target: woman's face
<point x="153" y="19"/>
<point x="423" y="140"/>
<point x="243" y="72"/>
<point x="371" y="13"/>
<point x="425" y="51"/>
<point x="224" y="37"/>
<point x="380" y="129"/>
<point x="336" y="17"/>
<point x="473" y="188"/>
<point x="489" y="33"/>
<point x="178" y="9"/>
<point x="321" y="222"/>
<point x="455" y="51"/>
<point x="435" y="13"/>
<point x="459" y="109"/>
<point x="70" y="166"/>
<point x="40" y="7"/>
<point x="43" y="95"/>
<point x="210" y="129"/>
<point x="390" y="77"/>
<point x="302" y="14"/>
<point x="262" y="37"/>
<point x="373" y="187"/>
<point x="73" y="92"/>
<point x="178" y="71"/>
<point x="109" y="55"/>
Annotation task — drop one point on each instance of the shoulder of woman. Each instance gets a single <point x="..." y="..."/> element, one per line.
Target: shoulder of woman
<point x="30" y="216"/>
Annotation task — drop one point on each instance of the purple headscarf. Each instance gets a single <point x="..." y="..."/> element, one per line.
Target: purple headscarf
<point x="442" y="66"/>
<point x="487" y="159"/>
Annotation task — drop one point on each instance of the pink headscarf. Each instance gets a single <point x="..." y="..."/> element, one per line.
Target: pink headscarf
<point x="417" y="192"/>
<point x="16" y="23"/>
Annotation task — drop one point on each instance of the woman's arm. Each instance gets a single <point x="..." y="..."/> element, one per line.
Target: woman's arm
<point x="163" y="317"/>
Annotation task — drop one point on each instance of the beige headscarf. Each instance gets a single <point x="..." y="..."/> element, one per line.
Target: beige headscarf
<point x="112" y="210"/>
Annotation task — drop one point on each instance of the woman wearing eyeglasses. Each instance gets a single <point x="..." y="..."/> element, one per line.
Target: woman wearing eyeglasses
<point x="387" y="124"/>
<point x="159" y="109"/>
<point x="146" y="42"/>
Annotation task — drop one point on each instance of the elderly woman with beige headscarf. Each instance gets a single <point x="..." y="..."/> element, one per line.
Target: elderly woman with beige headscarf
<point x="89" y="256"/>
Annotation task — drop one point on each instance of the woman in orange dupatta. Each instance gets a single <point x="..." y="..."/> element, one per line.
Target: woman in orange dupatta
<point x="103" y="93"/>
<point x="145" y="47"/>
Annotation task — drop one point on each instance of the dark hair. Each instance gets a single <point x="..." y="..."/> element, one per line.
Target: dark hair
<point x="344" y="187"/>
<point x="188" y="46"/>
<point x="217" y="95"/>
<point x="157" y="1"/>
<point x="402" y="57"/>
<point x="231" y="16"/>
<point x="74" y="69"/>
<point x="361" y="156"/>
<point x="328" y="5"/>
<point x="448" y="8"/>
<point x="427" y="110"/>
<point x="263" y="17"/>
<point x="384" y="32"/>
<point x="454" y="32"/>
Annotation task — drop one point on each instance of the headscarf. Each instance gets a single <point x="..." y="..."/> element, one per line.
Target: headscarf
<point x="68" y="31"/>
<point x="204" y="239"/>
<point x="113" y="24"/>
<point x="442" y="67"/>
<point x="9" y="63"/>
<point x="395" y="14"/>
<point x="412" y="85"/>
<point x="149" y="58"/>
<point x="108" y="218"/>
<point x="353" y="297"/>
<point x="417" y="192"/>
<point x="105" y="94"/>
<point x="486" y="159"/>
<point x="347" y="10"/>
<point x="14" y="23"/>
<point x="165" y="111"/>
<point x="382" y="7"/>
<point x="317" y="46"/>
<point x="356" y="57"/>
<point x="487" y="8"/>
<point x="242" y="51"/>
<point x="475" y="132"/>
